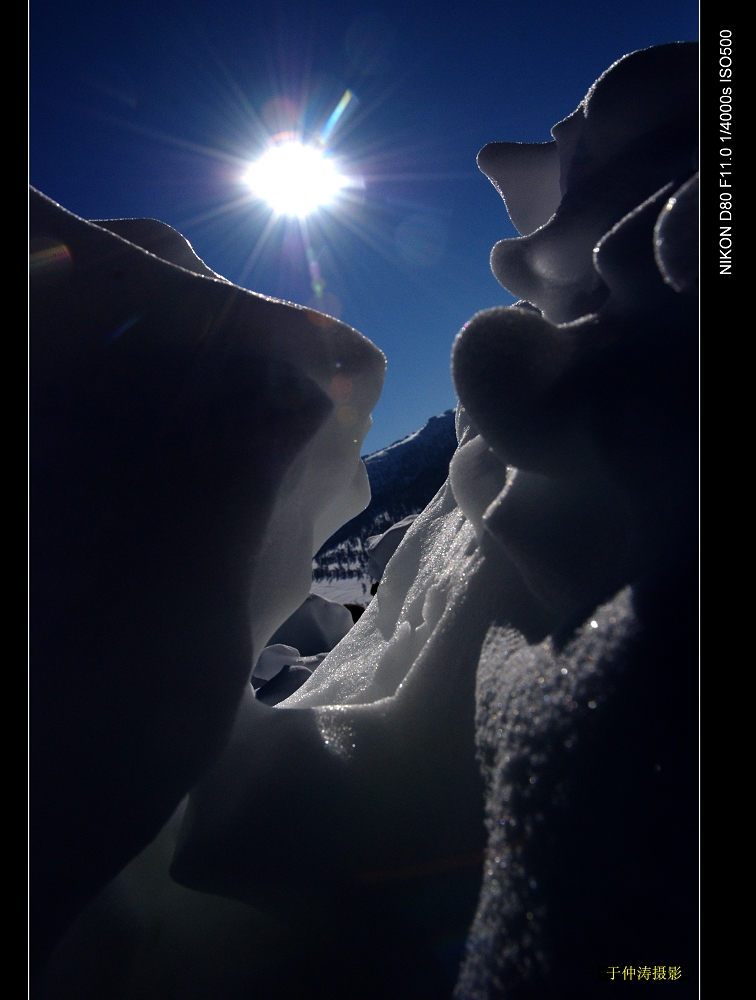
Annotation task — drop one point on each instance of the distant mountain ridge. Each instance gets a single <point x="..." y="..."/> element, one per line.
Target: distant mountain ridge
<point x="404" y="478"/>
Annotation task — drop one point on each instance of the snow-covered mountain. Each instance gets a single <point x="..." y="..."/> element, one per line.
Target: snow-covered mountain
<point x="404" y="477"/>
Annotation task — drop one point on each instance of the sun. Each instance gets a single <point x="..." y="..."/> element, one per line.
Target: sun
<point x="295" y="179"/>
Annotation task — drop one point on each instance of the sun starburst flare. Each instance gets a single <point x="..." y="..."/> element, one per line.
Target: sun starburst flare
<point x="295" y="179"/>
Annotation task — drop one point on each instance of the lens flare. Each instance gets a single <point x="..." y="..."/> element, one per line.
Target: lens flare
<point x="295" y="179"/>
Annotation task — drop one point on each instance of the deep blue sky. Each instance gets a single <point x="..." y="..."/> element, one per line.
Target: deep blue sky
<point x="151" y="108"/>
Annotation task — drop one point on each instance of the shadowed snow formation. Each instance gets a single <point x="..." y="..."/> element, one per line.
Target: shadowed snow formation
<point x="588" y="740"/>
<point x="615" y="151"/>
<point x="488" y="788"/>
<point x="187" y="459"/>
